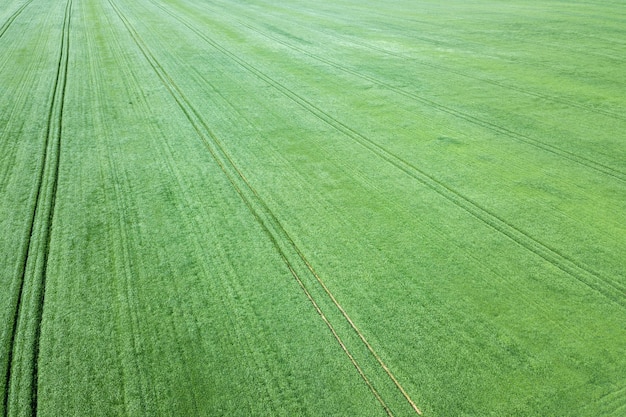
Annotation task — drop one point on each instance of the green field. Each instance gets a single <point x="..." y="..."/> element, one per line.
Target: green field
<point x="324" y="208"/>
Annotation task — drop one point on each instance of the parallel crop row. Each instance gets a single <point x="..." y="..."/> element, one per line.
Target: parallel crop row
<point x="259" y="208"/>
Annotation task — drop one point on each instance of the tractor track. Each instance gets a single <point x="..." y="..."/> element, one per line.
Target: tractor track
<point x="263" y="215"/>
<point x="404" y="57"/>
<point x="413" y="60"/>
<point x="23" y="354"/>
<point x="5" y="26"/>
<point x="571" y="156"/>
<point x="606" y="286"/>
<point x="613" y="291"/>
<point x="447" y="42"/>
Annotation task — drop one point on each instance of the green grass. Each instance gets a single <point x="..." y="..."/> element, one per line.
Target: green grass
<point x="217" y="207"/>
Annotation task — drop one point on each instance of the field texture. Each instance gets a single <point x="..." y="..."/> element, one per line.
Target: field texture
<point x="325" y="208"/>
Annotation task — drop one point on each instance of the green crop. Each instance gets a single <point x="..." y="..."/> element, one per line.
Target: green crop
<point x="330" y="208"/>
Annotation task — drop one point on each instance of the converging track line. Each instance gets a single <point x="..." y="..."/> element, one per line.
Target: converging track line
<point x="603" y="285"/>
<point x="21" y="378"/>
<point x="263" y="214"/>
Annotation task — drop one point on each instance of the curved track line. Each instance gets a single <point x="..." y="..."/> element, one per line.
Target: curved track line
<point x="18" y="292"/>
<point x="603" y="285"/>
<point x="33" y="279"/>
<point x="57" y="132"/>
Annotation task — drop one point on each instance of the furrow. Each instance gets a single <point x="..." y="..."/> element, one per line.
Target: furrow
<point x="231" y="287"/>
<point x="604" y="285"/>
<point x="571" y="156"/>
<point x="191" y="224"/>
<point x="11" y="19"/>
<point x="255" y="204"/>
<point x="128" y="321"/>
<point x="22" y="372"/>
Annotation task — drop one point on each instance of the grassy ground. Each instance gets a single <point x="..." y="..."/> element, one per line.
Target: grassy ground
<point x="329" y="208"/>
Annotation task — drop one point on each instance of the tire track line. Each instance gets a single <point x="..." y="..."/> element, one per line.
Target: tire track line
<point x="366" y="45"/>
<point x="606" y="286"/>
<point x="248" y="194"/>
<point x="136" y="398"/>
<point x="281" y="231"/>
<point x="613" y="401"/>
<point x="133" y="86"/>
<point x="202" y="131"/>
<point x="11" y="19"/>
<point x="128" y="321"/>
<point x="527" y="298"/>
<point x="26" y="330"/>
<point x="554" y="99"/>
<point x="15" y="122"/>
<point x="589" y="163"/>
<point x="27" y="78"/>
<point x="239" y="115"/>
<point x="468" y="255"/>
<point x="456" y="40"/>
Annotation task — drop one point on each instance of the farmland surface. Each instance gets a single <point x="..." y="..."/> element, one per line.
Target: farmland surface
<point x="325" y="208"/>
